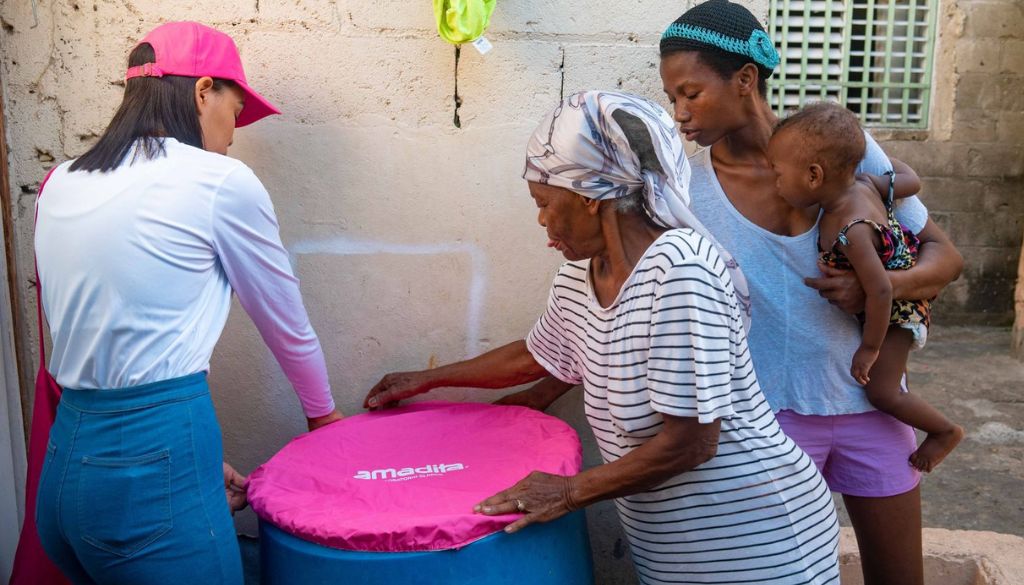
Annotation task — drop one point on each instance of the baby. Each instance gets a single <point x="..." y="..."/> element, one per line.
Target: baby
<point x="814" y="154"/>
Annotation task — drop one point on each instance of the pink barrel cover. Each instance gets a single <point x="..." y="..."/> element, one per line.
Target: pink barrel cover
<point x="407" y="479"/>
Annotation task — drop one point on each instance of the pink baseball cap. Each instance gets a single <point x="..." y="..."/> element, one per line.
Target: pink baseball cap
<point x="194" y="50"/>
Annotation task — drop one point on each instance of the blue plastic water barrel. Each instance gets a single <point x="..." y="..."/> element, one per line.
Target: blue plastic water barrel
<point x="557" y="552"/>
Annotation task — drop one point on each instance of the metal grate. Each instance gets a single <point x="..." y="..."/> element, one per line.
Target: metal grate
<point x="873" y="56"/>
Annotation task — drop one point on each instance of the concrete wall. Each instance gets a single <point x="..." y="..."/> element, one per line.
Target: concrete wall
<point x="1017" y="343"/>
<point x="415" y="239"/>
<point x="972" y="157"/>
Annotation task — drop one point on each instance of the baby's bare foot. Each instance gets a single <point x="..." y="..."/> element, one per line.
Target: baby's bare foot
<point x="935" y="447"/>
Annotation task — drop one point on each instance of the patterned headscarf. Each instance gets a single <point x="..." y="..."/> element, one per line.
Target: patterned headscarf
<point x="580" y="147"/>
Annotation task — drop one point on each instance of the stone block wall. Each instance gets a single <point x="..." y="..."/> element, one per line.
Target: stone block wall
<point x="415" y="238"/>
<point x="972" y="158"/>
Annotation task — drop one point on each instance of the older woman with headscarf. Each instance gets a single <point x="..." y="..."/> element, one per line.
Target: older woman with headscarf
<point x="649" y="314"/>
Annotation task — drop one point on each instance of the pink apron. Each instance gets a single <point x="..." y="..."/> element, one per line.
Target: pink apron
<point x="31" y="565"/>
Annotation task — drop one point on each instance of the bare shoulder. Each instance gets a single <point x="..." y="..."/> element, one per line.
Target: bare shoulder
<point x="859" y="202"/>
<point x="866" y="202"/>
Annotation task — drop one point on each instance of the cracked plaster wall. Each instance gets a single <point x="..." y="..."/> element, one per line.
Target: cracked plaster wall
<point x="403" y="214"/>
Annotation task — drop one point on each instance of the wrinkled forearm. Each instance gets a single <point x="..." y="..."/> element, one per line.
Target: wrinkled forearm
<point x="508" y="365"/>
<point x="665" y="456"/>
<point x="544" y="393"/>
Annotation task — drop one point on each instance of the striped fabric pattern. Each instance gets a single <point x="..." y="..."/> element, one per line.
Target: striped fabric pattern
<point x="673" y="343"/>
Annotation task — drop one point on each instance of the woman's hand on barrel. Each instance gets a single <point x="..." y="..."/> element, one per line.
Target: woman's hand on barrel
<point x="394" y="387"/>
<point x="540" y="497"/>
<point x="234" y="488"/>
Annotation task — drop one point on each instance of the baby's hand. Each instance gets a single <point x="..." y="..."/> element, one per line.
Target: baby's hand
<point x="862" y="362"/>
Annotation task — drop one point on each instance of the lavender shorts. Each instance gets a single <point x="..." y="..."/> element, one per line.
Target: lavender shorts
<point x="859" y="454"/>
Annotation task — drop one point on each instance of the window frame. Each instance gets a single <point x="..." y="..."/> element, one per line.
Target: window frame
<point x="838" y="74"/>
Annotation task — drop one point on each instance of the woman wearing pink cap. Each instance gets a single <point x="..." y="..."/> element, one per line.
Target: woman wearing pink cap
<point x="140" y="243"/>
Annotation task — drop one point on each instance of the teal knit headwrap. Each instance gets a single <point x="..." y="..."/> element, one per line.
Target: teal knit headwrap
<point x="758" y="47"/>
<point x="721" y="25"/>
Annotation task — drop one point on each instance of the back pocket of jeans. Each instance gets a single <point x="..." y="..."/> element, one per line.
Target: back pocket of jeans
<point x="124" y="503"/>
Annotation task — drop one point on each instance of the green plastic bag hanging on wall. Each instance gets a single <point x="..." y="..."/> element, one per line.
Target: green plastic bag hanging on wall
<point x="462" y="21"/>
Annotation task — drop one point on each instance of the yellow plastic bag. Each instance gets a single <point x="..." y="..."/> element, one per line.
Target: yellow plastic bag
<point x="462" y="21"/>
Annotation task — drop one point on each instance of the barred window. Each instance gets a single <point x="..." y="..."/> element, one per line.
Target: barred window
<point x="873" y="56"/>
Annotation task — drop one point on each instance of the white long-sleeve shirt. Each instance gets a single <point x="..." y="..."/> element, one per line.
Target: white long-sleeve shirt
<point x="138" y="264"/>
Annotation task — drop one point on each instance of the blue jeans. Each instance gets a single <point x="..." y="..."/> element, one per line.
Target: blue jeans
<point x="132" y="488"/>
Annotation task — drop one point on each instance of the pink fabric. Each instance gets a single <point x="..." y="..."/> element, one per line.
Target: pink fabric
<point x="864" y="454"/>
<point x="407" y="479"/>
<point x="31" y="565"/>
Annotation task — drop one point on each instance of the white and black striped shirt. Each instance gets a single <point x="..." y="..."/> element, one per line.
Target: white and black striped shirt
<point x="673" y="343"/>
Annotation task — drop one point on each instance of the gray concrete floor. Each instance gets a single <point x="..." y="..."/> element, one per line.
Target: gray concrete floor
<point x="968" y="374"/>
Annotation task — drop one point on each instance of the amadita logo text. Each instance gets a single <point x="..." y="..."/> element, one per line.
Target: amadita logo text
<point x="406" y="473"/>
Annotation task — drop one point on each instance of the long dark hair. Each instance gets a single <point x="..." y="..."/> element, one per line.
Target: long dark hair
<point x="152" y="108"/>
